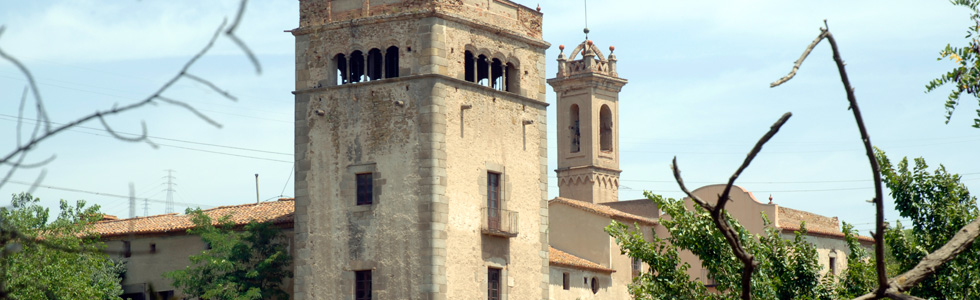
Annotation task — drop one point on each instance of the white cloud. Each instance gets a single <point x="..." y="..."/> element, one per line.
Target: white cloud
<point x="98" y="31"/>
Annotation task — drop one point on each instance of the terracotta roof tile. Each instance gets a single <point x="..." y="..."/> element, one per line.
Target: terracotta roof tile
<point x="816" y="232"/>
<point x="793" y="217"/>
<point x="789" y="220"/>
<point x="278" y="212"/>
<point x="562" y="258"/>
<point x="603" y="210"/>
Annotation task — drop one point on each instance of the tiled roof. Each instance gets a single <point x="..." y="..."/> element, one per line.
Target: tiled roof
<point x="792" y="217"/>
<point x="603" y="210"/>
<point x="816" y="232"/>
<point x="561" y="258"/>
<point x="278" y="212"/>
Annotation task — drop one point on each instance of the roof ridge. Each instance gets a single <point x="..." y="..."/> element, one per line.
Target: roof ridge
<point x="244" y="205"/>
<point x="596" y="208"/>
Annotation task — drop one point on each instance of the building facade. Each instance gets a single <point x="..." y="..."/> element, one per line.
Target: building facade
<point x="421" y="163"/>
<point x="421" y="150"/>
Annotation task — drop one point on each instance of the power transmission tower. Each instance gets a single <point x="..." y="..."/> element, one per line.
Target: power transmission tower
<point x="170" y="191"/>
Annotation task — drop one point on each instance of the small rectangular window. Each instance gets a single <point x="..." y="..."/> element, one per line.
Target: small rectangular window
<point x="493" y="284"/>
<point x="153" y="248"/>
<point x="362" y="285"/>
<point x="127" y="249"/>
<point x="565" y="281"/>
<point x="365" y="189"/>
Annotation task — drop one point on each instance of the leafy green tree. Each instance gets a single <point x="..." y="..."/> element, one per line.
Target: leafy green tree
<point x="249" y="264"/>
<point x="788" y="269"/>
<point x="57" y="259"/>
<point x="965" y="77"/>
<point x="859" y="277"/>
<point x="938" y="205"/>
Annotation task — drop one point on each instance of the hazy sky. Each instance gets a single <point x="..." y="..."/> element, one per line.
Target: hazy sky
<point x="698" y="71"/>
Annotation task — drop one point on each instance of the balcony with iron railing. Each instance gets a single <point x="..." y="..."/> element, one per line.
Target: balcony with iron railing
<point x="498" y="222"/>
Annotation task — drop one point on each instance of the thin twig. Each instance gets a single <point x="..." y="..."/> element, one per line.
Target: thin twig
<point x="42" y="113"/>
<point x="717" y="211"/>
<point x="191" y="109"/>
<point x="231" y="34"/>
<point x="212" y="86"/>
<point x="723" y="199"/>
<point x="100" y="114"/>
<point x="890" y="288"/>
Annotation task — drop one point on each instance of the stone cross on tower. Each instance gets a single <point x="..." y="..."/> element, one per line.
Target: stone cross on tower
<point x="587" y="88"/>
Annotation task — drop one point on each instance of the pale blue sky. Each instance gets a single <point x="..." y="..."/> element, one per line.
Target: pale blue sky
<point x="698" y="72"/>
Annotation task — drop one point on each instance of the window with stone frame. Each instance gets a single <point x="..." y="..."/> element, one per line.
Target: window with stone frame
<point x="362" y="285"/>
<point x="365" y="188"/>
<point x="493" y="200"/>
<point x="493" y="283"/>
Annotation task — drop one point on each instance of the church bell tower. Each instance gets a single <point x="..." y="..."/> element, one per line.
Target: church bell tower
<point x="587" y="87"/>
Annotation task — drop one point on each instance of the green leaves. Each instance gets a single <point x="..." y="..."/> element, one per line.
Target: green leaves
<point x="965" y="76"/>
<point x="788" y="269"/>
<point x="74" y="270"/>
<point x="249" y="264"/>
<point x="938" y="205"/>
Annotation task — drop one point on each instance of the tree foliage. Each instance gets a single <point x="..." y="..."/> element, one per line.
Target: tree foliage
<point x="249" y="264"/>
<point x="938" y="205"/>
<point x="788" y="268"/>
<point x="58" y="259"/>
<point x="965" y="77"/>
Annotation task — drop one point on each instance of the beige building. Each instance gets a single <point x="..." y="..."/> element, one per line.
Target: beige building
<point x="154" y="245"/>
<point x="421" y="163"/>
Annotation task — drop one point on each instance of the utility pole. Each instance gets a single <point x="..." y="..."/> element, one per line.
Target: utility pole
<point x="170" y="191"/>
<point x="256" y="188"/>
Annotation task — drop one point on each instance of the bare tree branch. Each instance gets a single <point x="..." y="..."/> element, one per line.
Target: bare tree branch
<point x="212" y="86"/>
<point x="191" y="109"/>
<point x="717" y="211"/>
<point x="231" y="34"/>
<point x="927" y="266"/>
<point x="41" y="112"/>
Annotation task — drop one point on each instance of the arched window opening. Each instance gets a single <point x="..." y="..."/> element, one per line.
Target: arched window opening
<point x="576" y="134"/>
<point x="605" y="128"/>
<point x="391" y="62"/>
<point x="595" y="285"/>
<point x="374" y="64"/>
<point x="469" y="64"/>
<point x="510" y="83"/>
<point x="340" y="60"/>
<point x="496" y="75"/>
<point x="482" y="71"/>
<point x="356" y="67"/>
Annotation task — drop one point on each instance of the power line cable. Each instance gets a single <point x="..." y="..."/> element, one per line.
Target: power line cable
<point x="100" y="193"/>
<point x="13" y="118"/>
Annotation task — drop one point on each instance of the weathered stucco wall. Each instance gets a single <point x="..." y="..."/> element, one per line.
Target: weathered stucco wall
<point x="582" y="234"/>
<point x="495" y="133"/>
<point x="145" y="267"/>
<point x="361" y="129"/>
<point x="580" y="285"/>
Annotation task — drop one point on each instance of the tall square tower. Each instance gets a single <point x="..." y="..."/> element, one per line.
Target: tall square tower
<point x="421" y="159"/>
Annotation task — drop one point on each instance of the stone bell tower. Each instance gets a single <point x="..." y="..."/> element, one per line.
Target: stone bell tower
<point x="421" y="150"/>
<point x="587" y="88"/>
